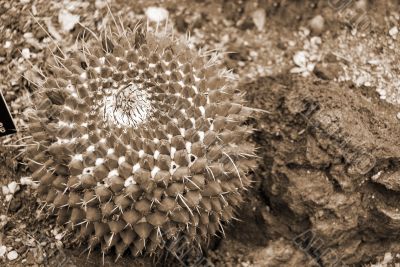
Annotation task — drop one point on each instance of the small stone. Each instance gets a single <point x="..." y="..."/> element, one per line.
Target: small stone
<point x="7" y="44"/>
<point x="393" y="32"/>
<point x="300" y="58"/>
<point x="317" y="24"/>
<point x="12" y="255"/>
<point x="361" y="5"/>
<point x="387" y="258"/>
<point x="100" y="4"/>
<point x="5" y="190"/>
<point x="13" y="187"/>
<point x="59" y="236"/>
<point x="156" y="14"/>
<point x="258" y="17"/>
<point x="26" y="53"/>
<point x="398" y="116"/>
<point x="315" y="41"/>
<point x="374" y="62"/>
<point x="253" y="54"/>
<point x="310" y="67"/>
<point x="67" y="20"/>
<point x="26" y="181"/>
<point x="305" y="31"/>
<point x="3" y="250"/>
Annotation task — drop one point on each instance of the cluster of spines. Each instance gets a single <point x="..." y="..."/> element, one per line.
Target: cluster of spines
<point x="180" y="171"/>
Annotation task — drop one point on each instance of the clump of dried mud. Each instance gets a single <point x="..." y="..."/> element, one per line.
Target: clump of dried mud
<point x="329" y="167"/>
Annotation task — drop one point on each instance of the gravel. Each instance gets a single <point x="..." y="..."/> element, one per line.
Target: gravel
<point x="12" y="255"/>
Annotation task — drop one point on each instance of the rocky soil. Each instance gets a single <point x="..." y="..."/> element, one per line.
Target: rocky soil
<point x="323" y="78"/>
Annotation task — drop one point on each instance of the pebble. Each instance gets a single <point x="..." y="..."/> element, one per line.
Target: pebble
<point x="5" y="190"/>
<point x="300" y="58"/>
<point x="361" y="5"/>
<point x="253" y="54"/>
<point x="374" y="62"/>
<point x="59" y="236"/>
<point x="387" y="258"/>
<point x="3" y="218"/>
<point x="398" y="116"/>
<point x="7" y="44"/>
<point x="156" y="14"/>
<point x="8" y="198"/>
<point x="258" y="17"/>
<point x="393" y="32"/>
<point x="26" y="53"/>
<point x="12" y="255"/>
<point x="3" y="250"/>
<point x="67" y="20"/>
<point x="26" y="181"/>
<point x="317" y="24"/>
<point x="13" y="187"/>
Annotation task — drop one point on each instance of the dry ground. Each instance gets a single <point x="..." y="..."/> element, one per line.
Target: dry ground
<point x="348" y="65"/>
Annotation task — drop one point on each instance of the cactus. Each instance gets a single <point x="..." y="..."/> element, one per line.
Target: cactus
<point x="139" y="140"/>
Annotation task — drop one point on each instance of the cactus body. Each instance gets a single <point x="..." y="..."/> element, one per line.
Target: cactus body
<point x="140" y="140"/>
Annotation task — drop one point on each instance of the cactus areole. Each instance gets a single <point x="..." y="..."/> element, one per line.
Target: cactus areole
<point x="139" y="141"/>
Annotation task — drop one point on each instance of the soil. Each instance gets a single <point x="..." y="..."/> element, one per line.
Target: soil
<point x="326" y="126"/>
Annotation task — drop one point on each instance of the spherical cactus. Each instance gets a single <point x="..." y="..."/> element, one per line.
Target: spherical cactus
<point x="139" y="140"/>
